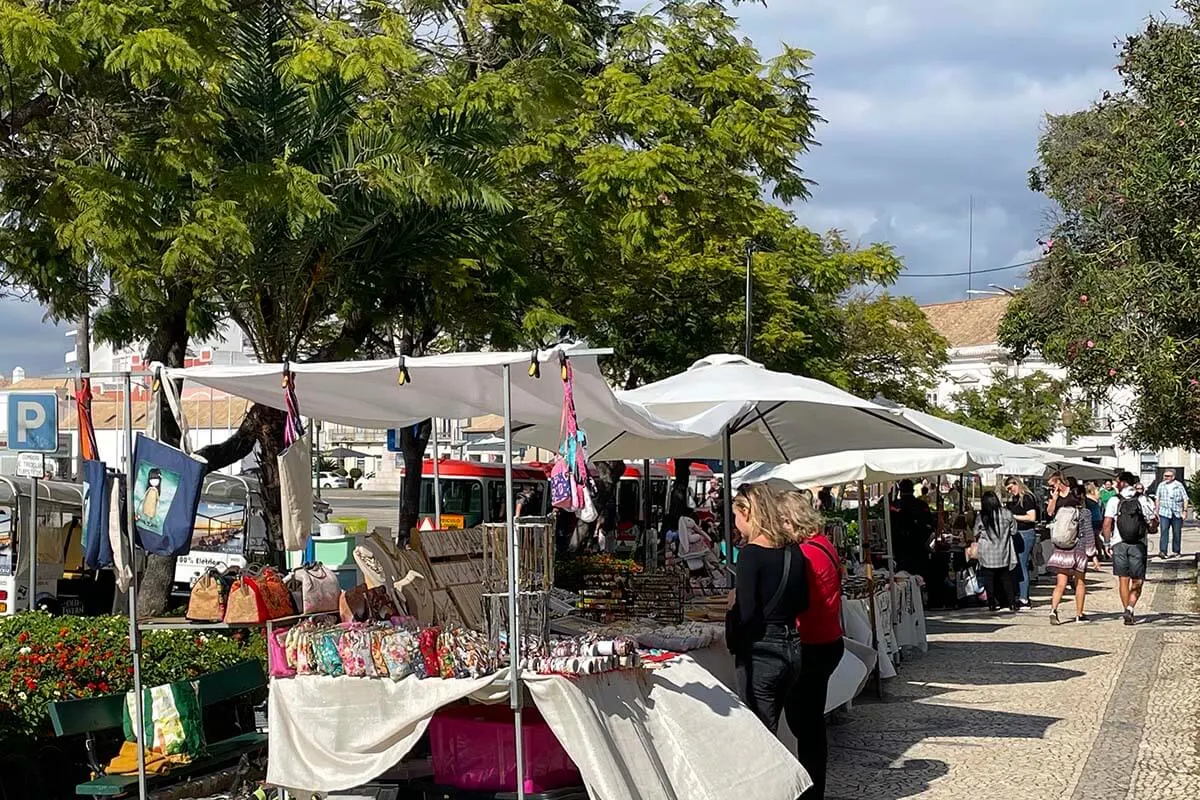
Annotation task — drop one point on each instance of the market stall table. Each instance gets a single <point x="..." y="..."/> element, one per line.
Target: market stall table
<point x="676" y="732"/>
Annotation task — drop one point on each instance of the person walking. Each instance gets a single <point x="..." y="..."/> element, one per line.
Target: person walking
<point x="1170" y="506"/>
<point x="821" y="647"/>
<point x="1091" y="500"/>
<point x="1128" y="519"/>
<point x="772" y="590"/>
<point x="995" y="529"/>
<point x="1023" y="507"/>
<point x="1074" y="544"/>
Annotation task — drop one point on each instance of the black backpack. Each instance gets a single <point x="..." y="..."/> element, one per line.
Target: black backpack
<point x="1131" y="522"/>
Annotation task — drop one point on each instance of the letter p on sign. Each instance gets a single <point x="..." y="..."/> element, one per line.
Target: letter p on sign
<point x="33" y="422"/>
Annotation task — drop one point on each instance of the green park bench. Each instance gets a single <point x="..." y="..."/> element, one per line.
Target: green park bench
<point x="101" y="714"/>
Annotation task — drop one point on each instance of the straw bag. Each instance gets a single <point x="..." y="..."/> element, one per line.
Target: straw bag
<point x="207" y="600"/>
<point x="245" y="605"/>
<point x="317" y="587"/>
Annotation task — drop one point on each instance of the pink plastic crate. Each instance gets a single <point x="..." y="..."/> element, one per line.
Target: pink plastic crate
<point x="474" y="749"/>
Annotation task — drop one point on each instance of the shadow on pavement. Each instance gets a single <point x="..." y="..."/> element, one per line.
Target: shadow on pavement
<point x="868" y="745"/>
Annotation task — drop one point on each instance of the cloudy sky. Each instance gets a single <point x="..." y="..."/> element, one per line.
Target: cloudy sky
<point x="927" y="102"/>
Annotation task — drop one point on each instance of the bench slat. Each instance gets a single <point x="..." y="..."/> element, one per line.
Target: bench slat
<point x="95" y="714"/>
<point x="219" y="754"/>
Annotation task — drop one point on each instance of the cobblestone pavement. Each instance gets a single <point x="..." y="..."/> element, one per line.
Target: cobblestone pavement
<point x="1094" y="710"/>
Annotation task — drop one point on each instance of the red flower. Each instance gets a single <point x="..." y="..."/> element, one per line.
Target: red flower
<point x="103" y="686"/>
<point x="23" y="637"/>
<point x="30" y="684"/>
<point x="91" y="687"/>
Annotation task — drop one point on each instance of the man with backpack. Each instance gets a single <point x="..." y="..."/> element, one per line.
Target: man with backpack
<point x="1128" y="519"/>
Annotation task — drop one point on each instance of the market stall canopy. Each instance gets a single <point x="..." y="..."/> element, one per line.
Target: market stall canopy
<point x="772" y="416"/>
<point x="984" y="449"/>
<point x="367" y="394"/>
<point x="872" y="466"/>
<point x="345" y="452"/>
<point x="1077" y="468"/>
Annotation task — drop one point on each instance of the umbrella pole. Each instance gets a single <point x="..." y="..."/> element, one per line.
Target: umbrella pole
<point x="650" y="551"/>
<point x="887" y="527"/>
<point x="437" y="477"/>
<point x="514" y="608"/>
<point x="727" y="499"/>
<point x="862" y="522"/>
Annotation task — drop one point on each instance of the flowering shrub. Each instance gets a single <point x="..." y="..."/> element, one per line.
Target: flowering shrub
<point x="45" y="659"/>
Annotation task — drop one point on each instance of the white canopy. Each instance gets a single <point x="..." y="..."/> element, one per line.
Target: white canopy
<point x="366" y="394"/>
<point x="872" y="466"/>
<point x="983" y="448"/>
<point x="772" y="416"/>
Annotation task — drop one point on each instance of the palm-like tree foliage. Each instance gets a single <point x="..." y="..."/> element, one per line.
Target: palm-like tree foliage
<point x="350" y="217"/>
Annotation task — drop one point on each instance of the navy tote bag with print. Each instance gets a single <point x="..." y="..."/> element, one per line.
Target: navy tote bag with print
<point x="166" y="492"/>
<point x="97" y="493"/>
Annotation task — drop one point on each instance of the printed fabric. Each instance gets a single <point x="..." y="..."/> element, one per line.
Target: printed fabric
<point x="167" y="484"/>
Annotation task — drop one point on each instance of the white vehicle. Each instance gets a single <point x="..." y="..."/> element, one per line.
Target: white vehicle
<point x="330" y="480"/>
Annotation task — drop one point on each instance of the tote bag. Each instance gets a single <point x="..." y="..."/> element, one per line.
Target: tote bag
<point x="166" y="493"/>
<point x="97" y="548"/>
<point x="296" y="493"/>
<point x="172" y="720"/>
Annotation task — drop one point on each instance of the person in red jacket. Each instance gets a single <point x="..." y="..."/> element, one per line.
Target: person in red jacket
<point x="820" y="629"/>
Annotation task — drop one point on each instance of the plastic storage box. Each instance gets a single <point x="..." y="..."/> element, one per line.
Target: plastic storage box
<point x="473" y="748"/>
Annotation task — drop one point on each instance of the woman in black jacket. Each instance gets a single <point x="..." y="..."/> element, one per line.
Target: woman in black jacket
<point x="771" y="591"/>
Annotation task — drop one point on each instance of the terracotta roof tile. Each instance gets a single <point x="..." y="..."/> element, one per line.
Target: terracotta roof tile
<point x="968" y="323"/>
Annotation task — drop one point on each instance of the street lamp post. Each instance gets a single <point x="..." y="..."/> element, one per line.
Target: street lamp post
<point x="749" y="292"/>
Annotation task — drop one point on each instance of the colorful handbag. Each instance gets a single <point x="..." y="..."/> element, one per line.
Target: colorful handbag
<point x="427" y="646"/>
<point x="399" y="651"/>
<point x="275" y="595"/>
<point x="206" y="603"/>
<point x="354" y="649"/>
<point x="318" y="588"/>
<point x="245" y="605"/>
<point x="325" y="646"/>
<point x="277" y="654"/>
<point x="304" y="645"/>
<point x="360" y="604"/>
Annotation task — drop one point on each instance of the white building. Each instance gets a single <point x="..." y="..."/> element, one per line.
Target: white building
<point x="971" y="327"/>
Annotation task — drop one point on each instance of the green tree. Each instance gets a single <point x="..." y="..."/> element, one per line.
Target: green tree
<point x="1116" y="300"/>
<point x="1026" y="410"/>
<point x="890" y="349"/>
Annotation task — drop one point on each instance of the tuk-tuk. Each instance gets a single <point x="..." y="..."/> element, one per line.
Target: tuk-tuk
<point x="59" y="542"/>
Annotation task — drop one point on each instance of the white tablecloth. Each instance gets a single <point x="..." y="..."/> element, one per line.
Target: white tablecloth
<point x="673" y="734"/>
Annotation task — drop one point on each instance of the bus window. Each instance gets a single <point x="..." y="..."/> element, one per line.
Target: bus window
<point x="459" y="496"/>
<point x="534" y="506"/>
<point x="629" y="505"/>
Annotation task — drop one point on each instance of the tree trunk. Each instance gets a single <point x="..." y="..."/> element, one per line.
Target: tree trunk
<point x="608" y="473"/>
<point x="413" y="440"/>
<point x="168" y="345"/>
<point x="680" y="488"/>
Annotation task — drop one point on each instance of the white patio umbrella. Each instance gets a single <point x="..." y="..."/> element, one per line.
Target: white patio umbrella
<point x="870" y="466"/>
<point x="983" y="448"/>
<point x="766" y="416"/>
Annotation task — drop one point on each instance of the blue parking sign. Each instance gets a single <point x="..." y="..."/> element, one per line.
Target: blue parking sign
<point x="33" y="422"/>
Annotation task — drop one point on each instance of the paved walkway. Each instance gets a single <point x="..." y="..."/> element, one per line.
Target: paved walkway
<point x="1010" y="706"/>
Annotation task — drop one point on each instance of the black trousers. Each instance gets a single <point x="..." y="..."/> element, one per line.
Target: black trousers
<point x="767" y="671"/>
<point x="1000" y="588"/>
<point x="806" y="711"/>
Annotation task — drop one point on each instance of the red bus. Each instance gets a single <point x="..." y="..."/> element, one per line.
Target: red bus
<point x="473" y="491"/>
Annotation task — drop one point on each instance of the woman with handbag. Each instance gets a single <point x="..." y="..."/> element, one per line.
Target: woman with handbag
<point x="821" y="647"/>
<point x="760" y="627"/>
<point x="995" y="532"/>
<point x="1074" y="545"/>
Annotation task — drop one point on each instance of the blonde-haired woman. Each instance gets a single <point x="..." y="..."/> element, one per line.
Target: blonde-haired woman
<point x="760" y="628"/>
<point x="820" y="628"/>
<point x="1023" y="506"/>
